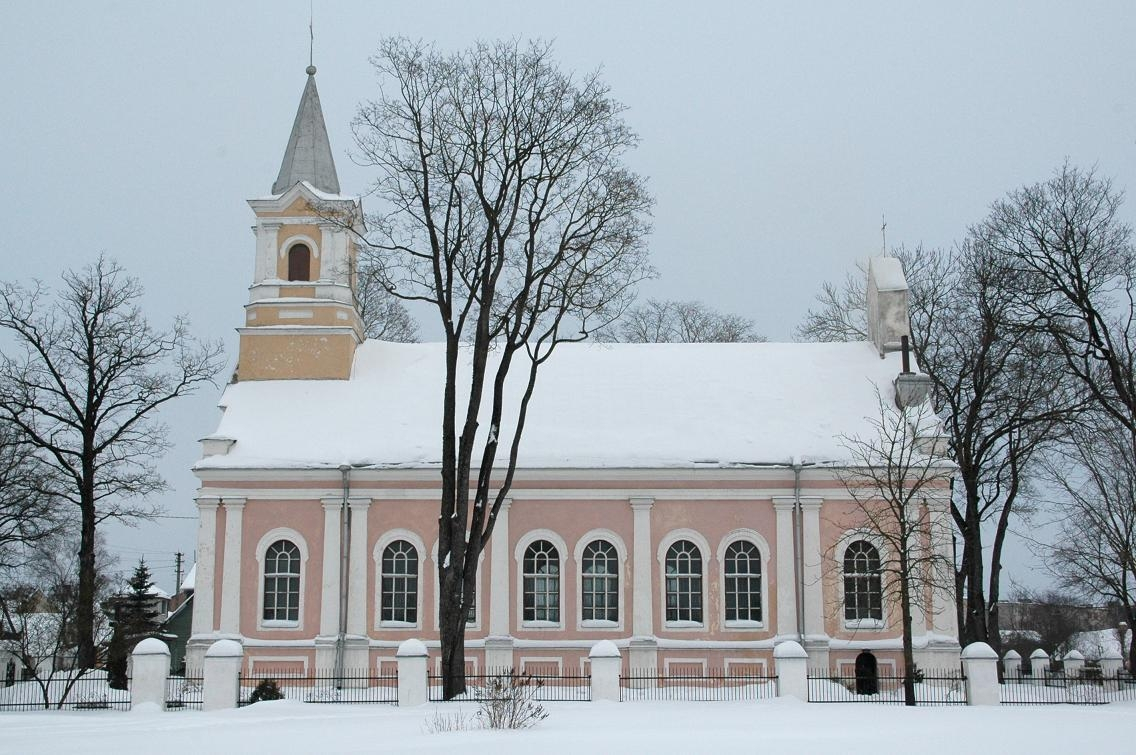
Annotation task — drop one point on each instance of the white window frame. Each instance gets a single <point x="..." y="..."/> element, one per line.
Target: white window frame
<point x="474" y="625"/>
<point x="704" y="549"/>
<point x="621" y="574"/>
<point x="384" y="540"/>
<point x="869" y="625"/>
<point x="519" y="557"/>
<point x="754" y="538"/>
<point x="262" y="546"/>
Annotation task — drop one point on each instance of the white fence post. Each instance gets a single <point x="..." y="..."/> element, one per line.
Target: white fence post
<point x="151" y="667"/>
<point x="221" y="677"/>
<point x="1012" y="665"/>
<point x="980" y="664"/>
<point x="1074" y="664"/>
<point x="412" y="682"/>
<point x="792" y="664"/>
<point x="1039" y="665"/>
<point x="606" y="663"/>
<point x="1111" y="663"/>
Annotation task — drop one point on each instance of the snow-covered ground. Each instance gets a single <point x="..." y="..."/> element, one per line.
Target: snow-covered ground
<point x="771" y="726"/>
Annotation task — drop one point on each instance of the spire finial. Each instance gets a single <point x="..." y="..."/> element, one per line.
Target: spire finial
<point x="883" y="229"/>
<point x="311" y="38"/>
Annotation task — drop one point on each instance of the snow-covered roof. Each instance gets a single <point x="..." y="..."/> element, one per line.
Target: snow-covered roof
<point x="595" y="405"/>
<point x="187" y="583"/>
<point x="888" y="273"/>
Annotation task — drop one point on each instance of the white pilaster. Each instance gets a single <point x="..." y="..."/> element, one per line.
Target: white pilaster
<point x="329" y="582"/>
<point x="500" y="588"/>
<point x="643" y="612"/>
<point x="944" y="620"/>
<point x="266" y="250"/>
<point x="786" y="576"/>
<point x="915" y="515"/>
<point x="813" y="584"/>
<point x="206" y="557"/>
<point x="357" y="567"/>
<point x="231" y="578"/>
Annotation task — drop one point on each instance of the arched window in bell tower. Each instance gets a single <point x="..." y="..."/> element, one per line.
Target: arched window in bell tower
<point x="299" y="263"/>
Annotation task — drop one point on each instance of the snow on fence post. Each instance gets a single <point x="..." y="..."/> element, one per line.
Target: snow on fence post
<point x="1012" y="665"/>
<point x="222" y="680"/>
<point x="980" y="664"/>
<point x="412" y="681"/>
<point x="1111" y="663"/>
<point x="1074" y="664"/>
<point x="151" y="667"/>
<point x="606" y="662"/>
<point x="792" y="664"/>
<point x="1039" y="665"/>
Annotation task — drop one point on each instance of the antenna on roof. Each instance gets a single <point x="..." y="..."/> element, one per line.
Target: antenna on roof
<point x="884" y="233"/>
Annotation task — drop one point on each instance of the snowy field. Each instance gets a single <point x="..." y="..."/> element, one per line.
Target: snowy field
<point x="771" y="726"/>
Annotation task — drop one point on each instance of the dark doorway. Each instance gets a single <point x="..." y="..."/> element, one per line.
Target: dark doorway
<point x="867" y="674"/>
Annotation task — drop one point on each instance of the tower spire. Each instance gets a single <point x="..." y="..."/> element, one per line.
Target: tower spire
<point x="308" y="155"/>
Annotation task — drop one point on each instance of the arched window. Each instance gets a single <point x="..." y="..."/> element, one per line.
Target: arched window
<point x="282" y="582"/>
<point x="599" y="587"/>
<point x="400" y="583"/>
<point x="299" y="263"/>
<point x="743" y="581"/>
<point x="863" y="593"/>
<point x="541" y="569"/>
<point x="684" y="582"/>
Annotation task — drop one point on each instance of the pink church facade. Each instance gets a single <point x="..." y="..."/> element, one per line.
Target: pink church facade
<point x="681" y="500"/>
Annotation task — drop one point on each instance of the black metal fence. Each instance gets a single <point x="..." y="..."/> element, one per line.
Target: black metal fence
<point x="349" y="686"/>
<point x="697" y="684"/>
<point x="932" y="687"/>
<point x="545" y="686"/>
<point x="65" y="690"/>
<point x="1086" y="687"/>
<point x="185" y="692"/>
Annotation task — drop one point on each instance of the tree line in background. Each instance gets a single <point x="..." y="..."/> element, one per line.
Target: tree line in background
<point x="1025" y="328"/>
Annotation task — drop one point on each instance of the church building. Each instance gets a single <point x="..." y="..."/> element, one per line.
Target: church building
<point x="684" y="501"/>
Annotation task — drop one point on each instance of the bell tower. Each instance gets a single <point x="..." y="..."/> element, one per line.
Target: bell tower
<point x="301" y="322"/>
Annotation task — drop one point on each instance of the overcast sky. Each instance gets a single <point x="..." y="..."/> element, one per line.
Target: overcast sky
<point x="774" y="140"/>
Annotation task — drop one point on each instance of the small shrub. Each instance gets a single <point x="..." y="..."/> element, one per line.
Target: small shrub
<point x="267" y="689"/>
<point x="510" y="702"/>
<point x="440" y="722"/>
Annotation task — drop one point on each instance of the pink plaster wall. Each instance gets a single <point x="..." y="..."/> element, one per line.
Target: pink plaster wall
<point x="260" y="517"/>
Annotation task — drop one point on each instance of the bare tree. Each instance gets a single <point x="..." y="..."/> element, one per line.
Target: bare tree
<point x="509" y="209"/>
<point x="1003" y="392"/>
<point x="43" y="610"/>
<point x="1071" y="274"/>
<point x="1004" y="395"/>
<point x="1049" y="619"/>
<point x="896" y="477"/>
<point x="28" y="510"/>
<point x="83" y="387"/>
<point x="384" y="316"/>
<point x="1095" y="552"/>
<point x="841" y="313"/>
<point x="672" y="321"/>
